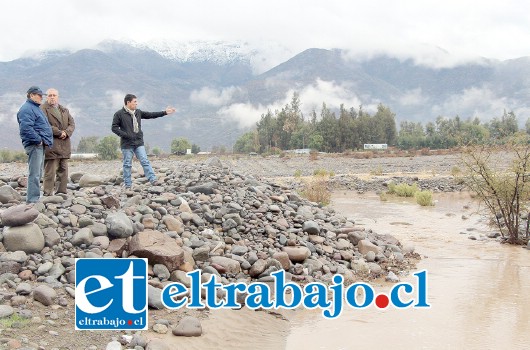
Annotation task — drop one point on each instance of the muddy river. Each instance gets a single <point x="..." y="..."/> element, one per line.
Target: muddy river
<point x="479" y="290"/>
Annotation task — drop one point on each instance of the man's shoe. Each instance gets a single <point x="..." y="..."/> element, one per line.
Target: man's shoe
<point x="155" y="183"/>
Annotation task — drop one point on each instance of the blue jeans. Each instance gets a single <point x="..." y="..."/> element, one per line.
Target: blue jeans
<point x="35" y="167"/>
<point x="141" y="155"/>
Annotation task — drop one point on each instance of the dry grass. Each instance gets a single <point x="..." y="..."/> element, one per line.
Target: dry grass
<point x="316" y="189"/>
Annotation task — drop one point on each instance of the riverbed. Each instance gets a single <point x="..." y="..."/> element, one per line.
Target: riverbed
<point x="479" y="290"/>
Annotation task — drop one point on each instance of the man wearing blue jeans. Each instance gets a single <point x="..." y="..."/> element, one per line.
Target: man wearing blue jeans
<point x="127" y="124"/>
<point x="35" y="133"/>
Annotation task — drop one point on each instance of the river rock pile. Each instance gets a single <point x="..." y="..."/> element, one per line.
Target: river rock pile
<point x="200" y="216"/>
<point x="380" y="183"/>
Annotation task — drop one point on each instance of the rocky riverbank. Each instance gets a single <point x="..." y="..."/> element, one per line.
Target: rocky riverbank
<point x="226" y="218"/>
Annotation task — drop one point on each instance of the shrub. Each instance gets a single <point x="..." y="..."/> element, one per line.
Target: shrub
<point x="368" y="154"/>
<point x="391" y="188"/>
<point x="320" y="172"/>
<point x="157" y="151"/>
<point x="298" y="173"/>
<point x="424" y="198"/>
<point x="8" y="156"/>
<point x="455" y="171"/>
<point x="377" y="171"/>
<point x="313" y="155"/>
<point x="316" y="190"/>
<point x="383" y="197"/>
<point x="504" y="190"/>
<point x="425" y="152"/>
<point x="405" y="190"/>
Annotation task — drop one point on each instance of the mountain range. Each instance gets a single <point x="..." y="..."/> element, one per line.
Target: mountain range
<point x="220" y="92"/>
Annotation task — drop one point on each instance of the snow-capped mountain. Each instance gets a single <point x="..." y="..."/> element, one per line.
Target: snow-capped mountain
<point x="217" y="90"/>
<point x="218" y="52"/>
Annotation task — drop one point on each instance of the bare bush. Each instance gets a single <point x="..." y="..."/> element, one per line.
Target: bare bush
<point x="499" y="177"/>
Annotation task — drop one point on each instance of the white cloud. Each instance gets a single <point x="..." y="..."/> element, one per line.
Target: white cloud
<point x="311" y="98"/>
<point x="475" y="102"/>
<point x="432" y="32"/>
<point x="213" y="97"/>
<point x="245" y="114"/>
<point x="412" y="97"/>
<point x="11" y="103"/>
<point x="114" y="98"/>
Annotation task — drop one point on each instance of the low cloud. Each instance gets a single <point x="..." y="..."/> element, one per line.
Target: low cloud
<point x="10" y="105"/>
<point x="245" y="114"/>
<point x="311" y="98"/>
<point x="114" y="98"/>
<point x="474" y="102"/>
<point x="412" y="97"/>
<point x="214" y="97"/>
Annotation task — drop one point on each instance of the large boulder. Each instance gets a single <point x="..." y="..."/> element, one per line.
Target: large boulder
<point x="297" y="254"/>
<point x="27" y="238"/>
<point x="229" y="265"/>
<point x="158" y="248"/>
<point x="90" y="180"/>
<point x="8" y="194"/>
<point x="119" y="225"/>
<point x="188" y="326"/>
<point x="19" y="215"/>
<point x="366" y="246"/>
<point x="206" y="188"/>
<point x="311" y="227"/>
<point x="214" y="162"/>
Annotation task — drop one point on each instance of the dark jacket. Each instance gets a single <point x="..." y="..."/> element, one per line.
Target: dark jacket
<point x="33" y="125"/>
<point x="122" y="125"/>
<point x="61" y="148"/>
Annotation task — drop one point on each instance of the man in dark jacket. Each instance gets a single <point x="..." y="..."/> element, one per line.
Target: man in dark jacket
<point x="36" y="134"/>
<point x="127" y="124"/>
<point x="56" y="157"/>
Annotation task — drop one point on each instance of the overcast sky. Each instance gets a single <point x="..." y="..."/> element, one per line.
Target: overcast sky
<point x="437" y="32"/>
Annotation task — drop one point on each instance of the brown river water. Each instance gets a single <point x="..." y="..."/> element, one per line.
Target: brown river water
<point x="479" y="290"/>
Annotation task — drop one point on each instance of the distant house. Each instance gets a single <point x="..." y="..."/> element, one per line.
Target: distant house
<point x="84" y="155"/>
<point x="299" y="151"/>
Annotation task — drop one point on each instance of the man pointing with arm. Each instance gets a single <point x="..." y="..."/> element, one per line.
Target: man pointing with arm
<point x="127" y="124"/>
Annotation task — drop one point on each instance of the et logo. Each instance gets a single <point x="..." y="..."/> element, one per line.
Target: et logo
<point x="110" y="294"/>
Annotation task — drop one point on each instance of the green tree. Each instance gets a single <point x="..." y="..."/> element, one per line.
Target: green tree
<point x="504" y="127"/>
<point x="411" y="135"/>
<point x="248" y="142"/>
<point x="266" y="130"/>
<point x="88" y="144"/>
<point x="316" y="141"/>
<point x="195" y="149"/>
<point x="328" y="128"/>
<point x="108" y="147"/>
<point x="386" y="124"/>
<point x="180" y="145"/>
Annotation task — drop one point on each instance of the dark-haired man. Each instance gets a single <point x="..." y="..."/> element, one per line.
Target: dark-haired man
<point x="127" y="124"/>
<point x="36" y="134"/>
